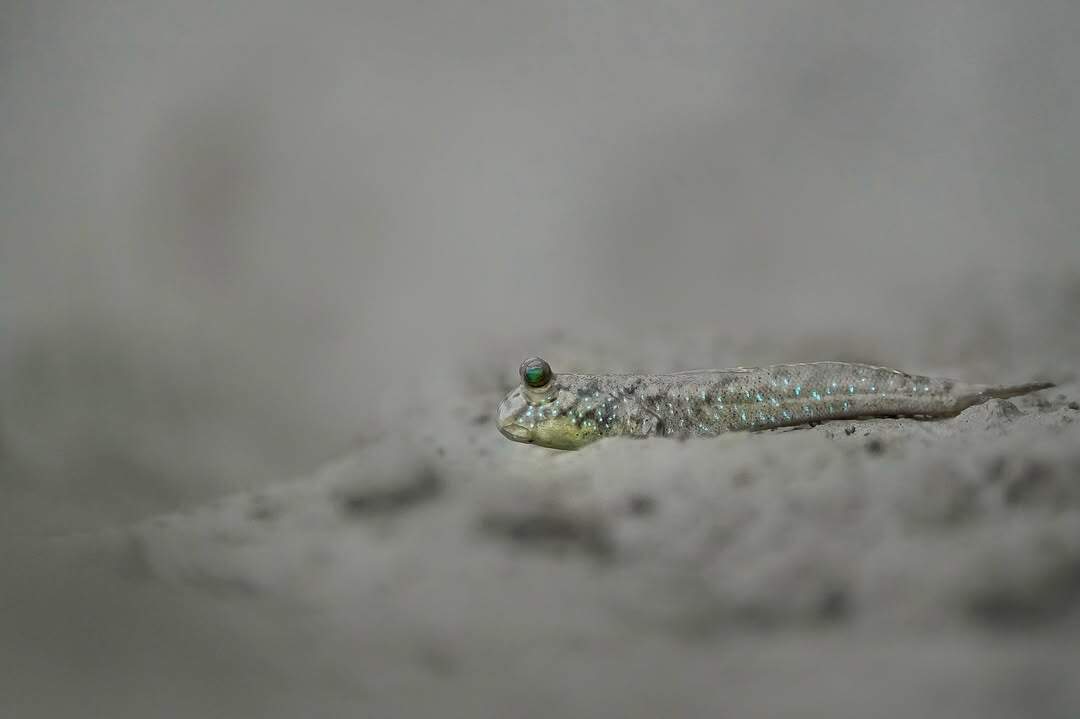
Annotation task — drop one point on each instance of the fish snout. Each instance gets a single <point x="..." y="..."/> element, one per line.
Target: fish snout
<point x="507" y="419"/>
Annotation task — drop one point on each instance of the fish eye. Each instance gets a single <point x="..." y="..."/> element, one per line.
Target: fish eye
<point x="535" y="372"/>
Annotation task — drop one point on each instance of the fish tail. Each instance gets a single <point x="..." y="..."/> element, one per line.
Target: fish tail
<point x="1013" y="390"/>
<point x="977" y="394"/>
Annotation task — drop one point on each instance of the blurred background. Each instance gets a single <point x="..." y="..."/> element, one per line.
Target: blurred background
<point x="272" y="219"/>
<point x="237" y="237"/>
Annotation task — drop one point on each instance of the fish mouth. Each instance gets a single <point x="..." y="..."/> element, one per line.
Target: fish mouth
<point x="515" y="432"/>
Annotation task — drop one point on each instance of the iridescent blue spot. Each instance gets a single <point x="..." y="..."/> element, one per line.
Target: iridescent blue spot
<point x="759" y="397"/>
<point x="851" y="389"/>
<point x="798" y="390"/>
<point x="815" y="394"/>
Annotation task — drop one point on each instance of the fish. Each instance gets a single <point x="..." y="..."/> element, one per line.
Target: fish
<point x="570" y="411"/>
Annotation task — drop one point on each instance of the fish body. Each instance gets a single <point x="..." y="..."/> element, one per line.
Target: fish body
<point x="569" y="411"/>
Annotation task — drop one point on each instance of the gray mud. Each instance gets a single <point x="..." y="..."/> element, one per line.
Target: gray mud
<point x="266" y="270"/>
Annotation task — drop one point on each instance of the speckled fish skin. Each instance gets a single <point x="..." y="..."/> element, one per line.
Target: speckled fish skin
<point x="574" y="410"/>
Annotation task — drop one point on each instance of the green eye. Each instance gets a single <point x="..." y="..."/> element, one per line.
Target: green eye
<point x="535" y="372"/>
